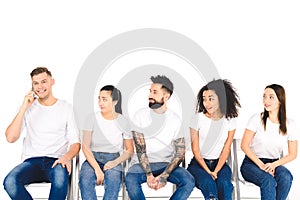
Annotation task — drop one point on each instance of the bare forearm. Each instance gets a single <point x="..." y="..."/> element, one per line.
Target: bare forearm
<point x="202" y="163"/>
<point x="250" y="154"/>
<point x="196" y="149"/>
<point x="73" y="151"/>
<point x="222" y="159"/>
<point x="292" y="154"/>
<point x="90" y="158"/>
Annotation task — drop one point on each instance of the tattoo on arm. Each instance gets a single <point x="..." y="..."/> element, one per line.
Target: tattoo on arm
<point x="177" y="159"/>
<point x="140" y="146"/>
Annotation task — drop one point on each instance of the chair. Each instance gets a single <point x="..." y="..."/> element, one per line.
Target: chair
<point x="74" y="188"/>
<point x="231" y="164"/>
<point x="124" y="192"/>
<point x="236" y="175"/>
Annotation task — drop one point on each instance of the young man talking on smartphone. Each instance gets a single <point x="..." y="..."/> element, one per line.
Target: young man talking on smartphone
<point x="52" y="140"/>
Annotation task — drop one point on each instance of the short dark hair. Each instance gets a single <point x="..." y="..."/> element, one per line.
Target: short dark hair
<point x="40" y="70"/>
<point x="165" y="81"/>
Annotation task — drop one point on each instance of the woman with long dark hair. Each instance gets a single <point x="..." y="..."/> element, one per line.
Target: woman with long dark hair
<point x="264" y="139"/>
<point x="104" y="135"/>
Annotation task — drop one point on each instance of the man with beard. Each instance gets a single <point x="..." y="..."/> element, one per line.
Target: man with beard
<point x="160" y="146"/>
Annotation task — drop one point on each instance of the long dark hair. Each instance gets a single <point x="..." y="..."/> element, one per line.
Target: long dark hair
<point x="116" y="96"/>
<point x="280" y="93"/>
<point x="228" y="98"/>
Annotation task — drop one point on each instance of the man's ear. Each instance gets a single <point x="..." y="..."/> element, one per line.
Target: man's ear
<point x="52" y="81"/>
<point x="167" y="96"/>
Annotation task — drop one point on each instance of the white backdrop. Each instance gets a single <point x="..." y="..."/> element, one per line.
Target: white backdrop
<point x="251" y="43"/>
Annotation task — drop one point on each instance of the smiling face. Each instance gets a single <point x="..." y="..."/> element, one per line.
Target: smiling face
<point x="211" y="103"/>
<point x="42" y="85"/>
<point x="270" y="100"/>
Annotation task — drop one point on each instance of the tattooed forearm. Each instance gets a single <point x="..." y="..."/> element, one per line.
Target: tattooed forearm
<point x="140" y="146"/>
<point x="177" y="159"/>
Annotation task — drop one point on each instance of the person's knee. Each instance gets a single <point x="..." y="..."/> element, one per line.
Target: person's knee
<point x="131" y="182"/>
<point x="205" y="183"/>
<point x="190" y="185"/>
<point x="9" y="182"/>
<point x="83" y="181"/>
<point x="113" y="176"/>
<point x="60" y="177"/>
<point x="190" y="182"/>
<point x="187" y="182"/>
<point x="225" y="184"/>
<point x="269" y="181"/>
<point x="129" y="179"/>
<point x="87" y="171"/>
<point x="285" y="177"/>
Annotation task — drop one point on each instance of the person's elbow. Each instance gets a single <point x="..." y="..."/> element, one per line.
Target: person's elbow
<point x="244" y="147"/>
<point x="10" y="137"/>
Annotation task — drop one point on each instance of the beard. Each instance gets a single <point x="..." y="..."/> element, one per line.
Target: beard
<point x="156" y="104"/>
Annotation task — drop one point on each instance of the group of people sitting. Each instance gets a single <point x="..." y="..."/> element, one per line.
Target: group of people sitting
<point x="152" y="142"/>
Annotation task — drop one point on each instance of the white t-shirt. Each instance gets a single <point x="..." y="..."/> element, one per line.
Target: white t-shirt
<point x="212" y="134"/>
<point x="269" y="143"/>
<point x="160" y="130"/>
<point x="107" y="135"/>
<point x="50" y="130"/>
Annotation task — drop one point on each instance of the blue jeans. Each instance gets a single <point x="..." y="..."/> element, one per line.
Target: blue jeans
<point x="112" y="178"/>
<point x="180" y="176"/>
<point x="271" y="188"/>
<point x="37" y="170"/>
<point x="221" y="188"/>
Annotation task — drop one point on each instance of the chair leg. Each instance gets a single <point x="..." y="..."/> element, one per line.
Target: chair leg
<point x="124" y="192"/>
<point x="230" y="163"/>
<point x="73" y="193"/>
<point x="235" y="171"/>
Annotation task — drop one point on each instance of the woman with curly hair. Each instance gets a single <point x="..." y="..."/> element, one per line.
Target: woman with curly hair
<point x="212" y="130"/>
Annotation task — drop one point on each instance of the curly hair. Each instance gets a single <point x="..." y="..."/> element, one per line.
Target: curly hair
<point x="228" y="97"/>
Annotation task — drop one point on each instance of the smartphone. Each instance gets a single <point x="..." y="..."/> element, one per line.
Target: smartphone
<point x="34" y="95"/>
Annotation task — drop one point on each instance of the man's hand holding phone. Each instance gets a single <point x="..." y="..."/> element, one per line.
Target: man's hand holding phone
<point x="29" y="99"/>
